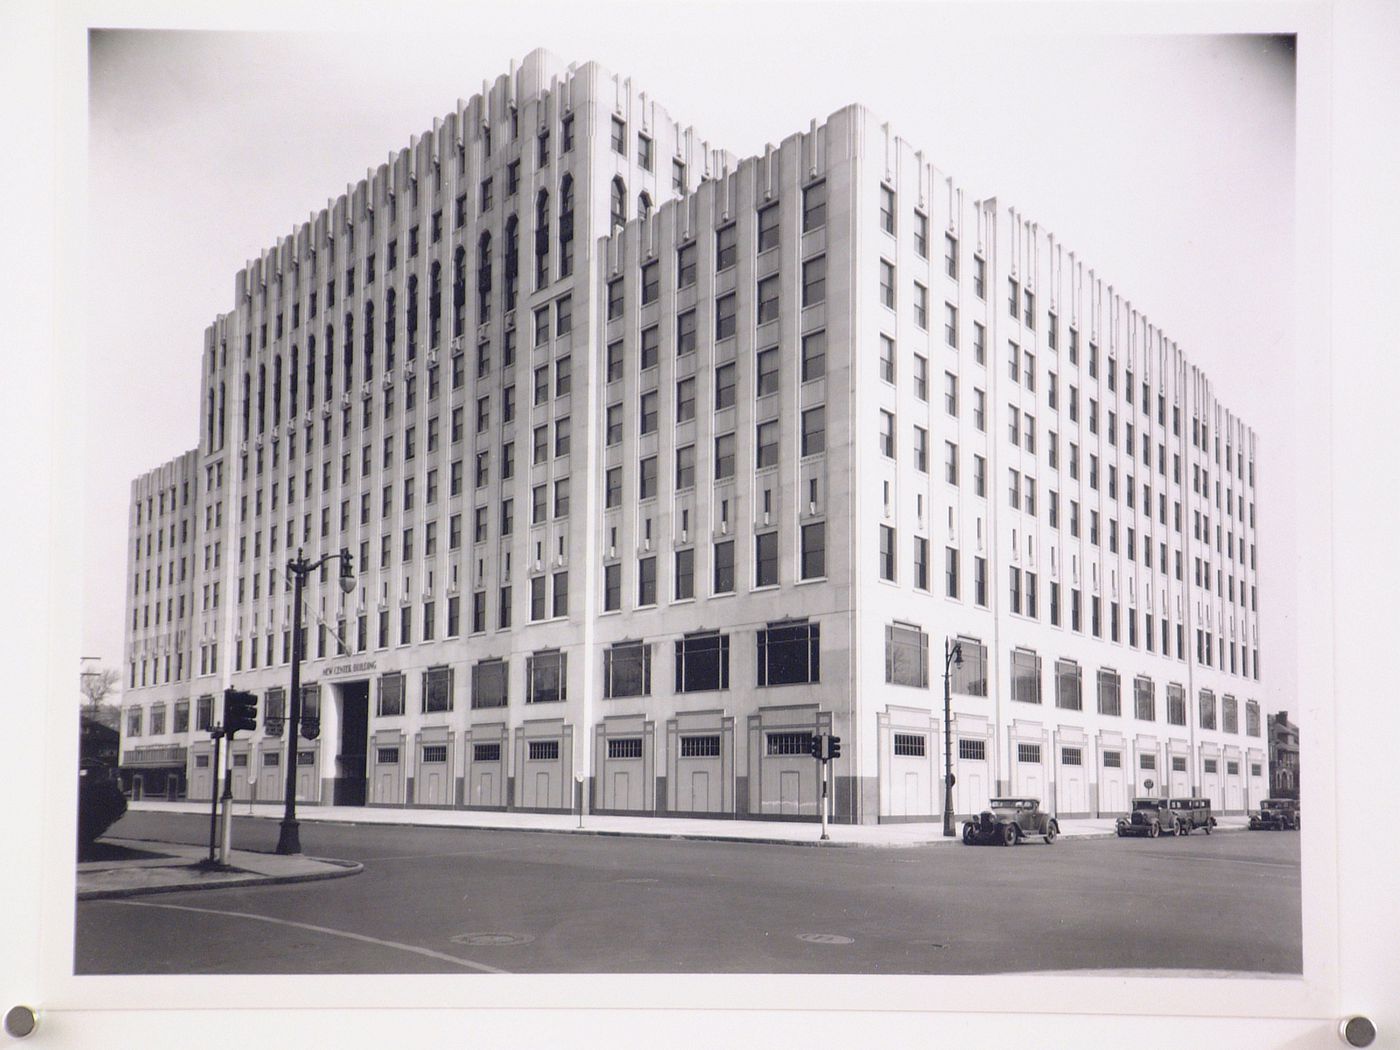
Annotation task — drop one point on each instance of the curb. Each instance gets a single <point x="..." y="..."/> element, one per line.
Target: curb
<point x="347" y="868"/>
<point x="662" y="836"/>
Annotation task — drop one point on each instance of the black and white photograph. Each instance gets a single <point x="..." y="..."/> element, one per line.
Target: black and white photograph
<point x="684" y="507"/>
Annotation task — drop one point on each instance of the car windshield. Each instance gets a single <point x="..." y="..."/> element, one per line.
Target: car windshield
<point x="1271" y="805"/>
<point x="1011" y="803"/>
<point x="1145" y="803"/>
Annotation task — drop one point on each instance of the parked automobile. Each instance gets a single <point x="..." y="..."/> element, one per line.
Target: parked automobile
<point x="100" y="801"/>
<point x="1275" y="814"/>
<point x="1193" y="813"/>
<point x="1006" y="821"/>
<point x="1151" y="817"/>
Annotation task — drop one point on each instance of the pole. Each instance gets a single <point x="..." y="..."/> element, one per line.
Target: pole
<point x="826" y="765"/>
<point x="218" y="735"/>
<point x="289" y="840"/>
<point x="226" y="833"/>
<point x="947" y="742"/>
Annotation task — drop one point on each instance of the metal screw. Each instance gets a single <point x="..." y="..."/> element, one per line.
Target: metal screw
<point x="21" y="1021"/>
<point x="1357" y="1031"/>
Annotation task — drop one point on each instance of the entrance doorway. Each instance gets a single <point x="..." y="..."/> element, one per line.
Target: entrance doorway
<point x="351" y="780"/>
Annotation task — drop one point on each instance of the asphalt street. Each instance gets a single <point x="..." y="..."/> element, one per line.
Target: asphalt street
<point x="451" y="900"/>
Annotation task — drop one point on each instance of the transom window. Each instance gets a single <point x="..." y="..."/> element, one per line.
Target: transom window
<point x="544" y="751"/>
<point x="789" y="743"/>
<point x="910" y="745"/>
<point x="972" y="750"/>
<point x="627" y="747"/>
<point x="700" y="746"/>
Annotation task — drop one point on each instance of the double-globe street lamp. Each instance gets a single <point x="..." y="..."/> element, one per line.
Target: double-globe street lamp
<point x="289" y="840"/>
<point x="952" y="657"/>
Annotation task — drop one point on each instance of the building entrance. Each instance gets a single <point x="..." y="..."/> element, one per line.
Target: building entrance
<point x="352" y="707"/>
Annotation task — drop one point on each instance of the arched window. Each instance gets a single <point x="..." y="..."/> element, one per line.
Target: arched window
<point x="349" y="350"/>
<point x="311" y="369"/>
<point x="330" y="363"/>
<point x="619" y="202"/>
<point x="369" y="340"/>
<point x="293" y="378"/>
<point x="542" y="239"/>
<point x="276" y="390"/>
<point x="483" y="278"/>
<point x="459" y="291"/>
<point x="512" y="260"/>
<point x="566" y="226"/>
<point x="435" y="304"/>
<point x="643" y="205"/>
<point x="390" y="327"/>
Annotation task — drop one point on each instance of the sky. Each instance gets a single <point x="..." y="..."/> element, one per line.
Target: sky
<point x="1165" y="162"/>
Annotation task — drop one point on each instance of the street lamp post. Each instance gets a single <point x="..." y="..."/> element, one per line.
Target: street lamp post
<point x="289" y="839"/>
<point x="952" y="656"/>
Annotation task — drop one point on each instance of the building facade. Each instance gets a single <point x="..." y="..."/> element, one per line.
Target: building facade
<point x="653" y="462"/>
<point x="1283" y="756"/>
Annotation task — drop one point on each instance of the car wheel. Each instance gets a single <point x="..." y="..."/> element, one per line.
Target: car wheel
<point x="1180" y="830"/>
<point x="1120" y="833"/>
<point x="967" y="835"/>
<point x="1008" y="835"/>
<point x="1153" y="830"/>
<point x="1051" y="830"/>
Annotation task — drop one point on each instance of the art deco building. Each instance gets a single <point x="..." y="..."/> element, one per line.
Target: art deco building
<point x="654" y="462"/>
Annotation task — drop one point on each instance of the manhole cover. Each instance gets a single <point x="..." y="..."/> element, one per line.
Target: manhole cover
<point x="492" y="940"/>
<point x="825" y="938"/>
<point x="638" y="881"/>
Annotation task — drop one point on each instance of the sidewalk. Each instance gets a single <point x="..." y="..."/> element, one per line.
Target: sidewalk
<point x="777" y="832"/>
<point x="134" y="868"/>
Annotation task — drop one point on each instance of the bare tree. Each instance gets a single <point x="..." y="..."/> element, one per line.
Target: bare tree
<point x="96" y="686"/>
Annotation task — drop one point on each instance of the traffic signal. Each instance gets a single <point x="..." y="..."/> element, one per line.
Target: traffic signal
<point x="240" y="711"/>
<point x="833" y="747"/>
<point x="814" y="745"/>
<point x="347" y="570"/>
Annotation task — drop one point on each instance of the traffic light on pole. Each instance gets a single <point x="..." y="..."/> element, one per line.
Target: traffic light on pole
<point x="833" y="747"/>
<point x="240" y="711"/>
<point x="347" y="570"/>
<point x="814" y="745"/>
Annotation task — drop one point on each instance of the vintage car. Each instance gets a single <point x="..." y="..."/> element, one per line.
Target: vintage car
<point x="1193" y="813"/>
<point x="1275" y="814"/>
<point x="100" y="801"/>
<point x="1006" y="821"/>
<point x="1150" y="817"/>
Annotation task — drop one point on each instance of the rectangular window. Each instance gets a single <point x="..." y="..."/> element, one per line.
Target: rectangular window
<point x="910" y="745"/>
<point x="814" y="550"/>
<point x="685" y="265"/>
<point x="1144" y="700"/>
<point x="970" y="677"/>
<point x="724" y="457"/>
<point x="627" y="672"/>
<point x="766" y="560"/>
<point x="702" y="663"/>
<point x="813" y="206"/>
<point x="972" y="750"/>
<point x="814" y="281"/>
<point x="1025" y="676"/>
<point x="887" y="279"/>
<point x="544" y="751"/>
<point x="546" y="677"/>
<point x="726" y="247"/>
<point x="1110" y="693"/>
<point x="788" y="744"/>
<point x="724" y="567"/>
<point x="646" y="581"/>
<point x="684" y="576"/>
<point x="887" y="552"/>
<point x="768" y="228"/>
<point x="887" y="209"/>
<point x="789" y="654"/>
<point x="437" y="690"/>
<point x="1068" y="686"/>
<point x="685" y="400"/>
<point x="700" y="747"/>
<point x="813" y="356"/>
<point x="767" y="372"/>
<point x="685" y="333"/>
<point x="726" y="311"/>
<point x="766" y="444"/>
<point x="768" y="299"/>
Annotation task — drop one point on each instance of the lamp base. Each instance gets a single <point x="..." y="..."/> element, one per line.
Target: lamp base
<point x="289" y="840"/>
